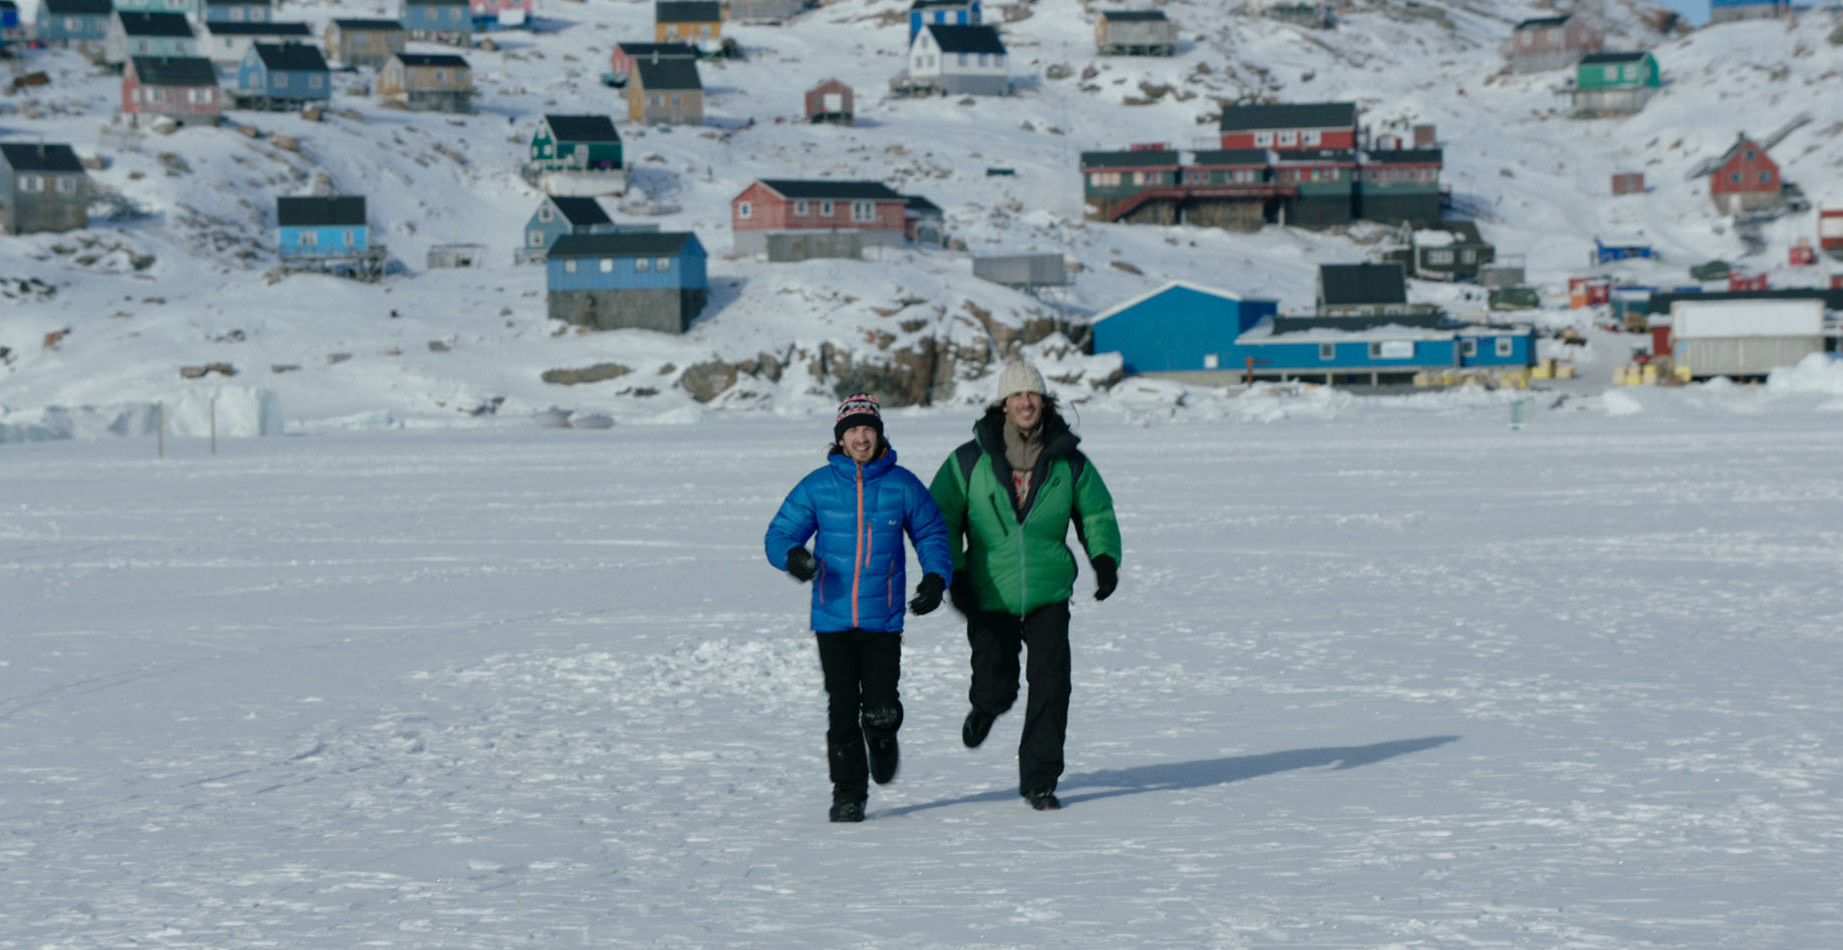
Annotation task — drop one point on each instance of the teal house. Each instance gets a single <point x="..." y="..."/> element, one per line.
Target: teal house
<point x="576" y="142"/>
<point x="1615" y="83"/>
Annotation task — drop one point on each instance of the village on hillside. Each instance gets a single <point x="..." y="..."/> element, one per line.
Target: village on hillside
<point x="1292" y="162"/>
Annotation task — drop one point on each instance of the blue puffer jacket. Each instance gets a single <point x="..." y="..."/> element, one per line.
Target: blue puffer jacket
<point x="860" y="514"/>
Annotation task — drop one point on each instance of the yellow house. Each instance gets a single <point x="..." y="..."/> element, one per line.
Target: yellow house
<point x="687" y="21"/>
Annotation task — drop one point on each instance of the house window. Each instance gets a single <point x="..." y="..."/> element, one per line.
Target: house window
<point x="1327" y="351"/>
<point x="1289" y="138"/>
<point x="1375" y="351"/>
<point x="643" y="264"/>
<point x="1441" y="256"/>
<point x="1313" y="137"/>
<point x="1468" y="348"/>
<point x="962" y="59"/>
<point x="826" y="208"/>
<point x="315" y="81"/>
<point x="441" y="76"/>
<point x="678" y="101"/>
<point x="662" y="264"/>
<point x="545" y="213"/>
<point x="348" y="237"/>
<point x="1611" y="73"/>
<point x="67" y="185"/>
<point x="310" y="238"/>
<point x="1631" y="72"/>
<point x="656" y="101"/>
<point x="1748" y="155"/>
<point x="863" y="211"/>
<point x="982" y="60"/>
<point x="537" y="239"/>
<point x="1263" y="139"/>
<point x="153" y="95"/>
<point x="1468" y="257"/>
<point x="1505" y="345"/>
<point x="605" y="265"/>
<point x="1734" y="178"/>
<point x="1766" y="178"/>
<point x="745" y="210"/>
<point x="800" y="207"/>
<point x="569" y="266"/>
<point x="281" y="80"/>
<point x="236" y="14"/>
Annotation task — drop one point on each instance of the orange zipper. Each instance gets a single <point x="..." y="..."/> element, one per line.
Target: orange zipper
<point x="857" y="570"/>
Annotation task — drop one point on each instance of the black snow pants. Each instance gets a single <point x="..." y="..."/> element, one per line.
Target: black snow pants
<point x="996" y="639"/>
<point x="861" y="668"/>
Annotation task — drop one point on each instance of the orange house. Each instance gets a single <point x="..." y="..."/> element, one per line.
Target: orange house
<point x="687" y="21"/>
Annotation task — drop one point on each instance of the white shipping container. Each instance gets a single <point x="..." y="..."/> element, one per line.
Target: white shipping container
<point x="1728" y="319"/>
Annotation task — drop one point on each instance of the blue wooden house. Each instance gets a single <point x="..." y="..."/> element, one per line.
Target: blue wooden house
<point x="282" y="76"/>
<point x="83" y="24"/>
<point x="9" y="22"/>
<point x="558" y="215"/>
<point x="329" y="233"/>
<point x="439" y="21"/>
<point x="1621" y="249"/>
<point x="944" y="12"/>
<point x="1178" y="327"/>
<point x="237" y="11"/>
<point x="633" y="280"/>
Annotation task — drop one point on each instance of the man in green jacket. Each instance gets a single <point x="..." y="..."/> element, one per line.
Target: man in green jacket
<point x="1008" y="497"/>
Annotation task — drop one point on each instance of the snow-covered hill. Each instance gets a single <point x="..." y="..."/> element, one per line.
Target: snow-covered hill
<point x="179" y="277"/>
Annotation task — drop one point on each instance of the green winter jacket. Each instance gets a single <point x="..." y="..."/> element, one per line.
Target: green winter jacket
<point x="1015" y="557"/>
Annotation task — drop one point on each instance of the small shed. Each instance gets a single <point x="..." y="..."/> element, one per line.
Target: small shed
<point x="831" y="101"/>
<point x="1628" y="183"/>
<point x="1135" y="33"/>
<point x="1744" y="337"/>
<point x="448" y="256"/>
<point x="1621" y="249"/>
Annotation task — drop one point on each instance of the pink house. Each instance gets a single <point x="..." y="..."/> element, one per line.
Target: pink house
<point x="183" y="88"/>
<point x="779" y="205"/>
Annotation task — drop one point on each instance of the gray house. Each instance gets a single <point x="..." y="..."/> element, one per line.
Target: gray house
<point x="558" y="215"/>
<point x="427" y="81"/>
<point x="147" y="34"/>
<point x="1135" y="33"/>
<point x="764" y="11"/>
<point x="1366" y="290"/>
<point x="42" y="188"/>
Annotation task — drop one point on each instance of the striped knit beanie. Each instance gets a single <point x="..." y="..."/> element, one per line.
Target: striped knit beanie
<point x="858" y="409"/>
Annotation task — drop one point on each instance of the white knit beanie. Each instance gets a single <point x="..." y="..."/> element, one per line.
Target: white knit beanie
<point x="1020" y="378"/>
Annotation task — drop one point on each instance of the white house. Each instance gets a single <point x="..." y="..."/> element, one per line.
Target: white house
<point x="959" y="60"/>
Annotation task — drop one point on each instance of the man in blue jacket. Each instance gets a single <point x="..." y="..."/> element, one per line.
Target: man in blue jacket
<point x="859" y="504"/>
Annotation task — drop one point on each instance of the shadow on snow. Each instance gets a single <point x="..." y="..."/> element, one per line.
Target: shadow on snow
<point x="1203" y="773"/>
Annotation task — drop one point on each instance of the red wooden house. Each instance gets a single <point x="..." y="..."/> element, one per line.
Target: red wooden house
<point x="1745" y="179"/>
<point x="831" y="101"/>
<point x="785" y="205"/>
<point x="1290" y="126"/>
<point x="183" y="88"/>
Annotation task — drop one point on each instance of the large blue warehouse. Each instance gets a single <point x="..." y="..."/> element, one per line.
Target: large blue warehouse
<point x="1180" y="326"/>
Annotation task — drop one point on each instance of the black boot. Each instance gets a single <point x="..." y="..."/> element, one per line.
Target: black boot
<point x="883" y="759"/>
<point x="847" y="811"/>
<point x="1042" y="800"/>
<point x="977" y="725"/>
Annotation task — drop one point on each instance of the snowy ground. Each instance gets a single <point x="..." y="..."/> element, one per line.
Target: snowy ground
<point x="1381" y="673"/>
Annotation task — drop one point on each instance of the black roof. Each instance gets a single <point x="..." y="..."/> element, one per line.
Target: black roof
<point x="1137" y="158"/>
<point x="1302" y="115"/>
<point x="1542" y="22"/>
<point x="320" y="211"/>
<point x="1593" y="58"/>
<point x="1429" y="320"/>
<point x="77" y="7"/>
<point x="226" y="28"/>
<point x="175" y="71"/>
<point x="966" y="39"/>
<point x="841" y="190"/>
<point x="661" y="50"/>
<point x="582" y="128"/>
<point x="362" y="23"/>
<point x="1407" y="156"/>
<point x="668" y="74"/>
<point x="622" y="244"/>
<point x="1833" y="299"/>
<point x="687" y="11"/>
<point x="579" y="210"/>
<point x="424" y="60"/>
<point x="290" y="57"/>
<point x="435" y="3"/>
<point x="1362" y="283"/>
<point x="920" y="204"/>
<point x="926" y="4"/>
<point x="35" y="157"/>
<point x="154" y="24"/>
<point x="1129" y="16"/>
<point x="1233" y="156"/>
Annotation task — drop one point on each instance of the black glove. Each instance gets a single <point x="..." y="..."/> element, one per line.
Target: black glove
<point x="1106" y="576"/>
<point x="928" y="594"/>
<point x="961" y="594"/>
<point x="801" y="564"/>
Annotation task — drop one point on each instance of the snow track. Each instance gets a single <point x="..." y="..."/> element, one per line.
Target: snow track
<point x="1393" y="678"/>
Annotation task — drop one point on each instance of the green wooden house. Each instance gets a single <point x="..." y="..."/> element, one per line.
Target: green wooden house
<point x="577" y="155"/>
<point x="1615" y="83"/>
